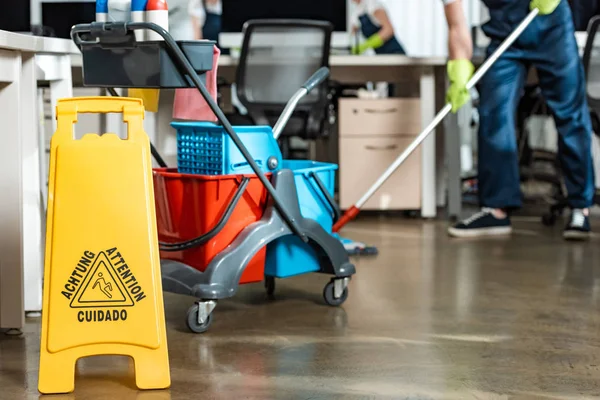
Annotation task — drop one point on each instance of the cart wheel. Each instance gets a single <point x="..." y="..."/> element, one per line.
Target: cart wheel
<point x="549" y="219"/>
<point x="192" y="320"/>
<point x="270" y="285"/>
<point x="329" y="297"/>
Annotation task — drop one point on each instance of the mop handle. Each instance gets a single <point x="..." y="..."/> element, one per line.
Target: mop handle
<point x="448" y="107"/>
<point x="316" y="79"/>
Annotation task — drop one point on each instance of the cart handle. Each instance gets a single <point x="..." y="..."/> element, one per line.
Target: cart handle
<point x="101" y="105"/>
<point x="97" y="29"/>
<point x="315" y="80"/>
<point x="337" y="213"/>
<point x="114" y="33"/>
<point x="200" y="240"/>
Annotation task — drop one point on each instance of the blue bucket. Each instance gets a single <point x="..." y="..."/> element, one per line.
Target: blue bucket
<point x="289" y="256"/>
<point x="205" y="148"/>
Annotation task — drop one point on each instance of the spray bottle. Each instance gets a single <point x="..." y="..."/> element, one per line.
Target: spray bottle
<point x="157" y="11"/>
<point x="101" y="10"/>
<point x="138" y="14"/>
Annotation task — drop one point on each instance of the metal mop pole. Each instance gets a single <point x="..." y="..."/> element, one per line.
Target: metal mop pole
<point x="352" y="212"/>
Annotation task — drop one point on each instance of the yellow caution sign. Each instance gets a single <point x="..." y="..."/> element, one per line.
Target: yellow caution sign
<point x="102" y="286"/>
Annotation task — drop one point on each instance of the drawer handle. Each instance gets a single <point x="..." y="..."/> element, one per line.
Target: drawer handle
<point x="383" y="148"/>
<point x="386" y="111"/>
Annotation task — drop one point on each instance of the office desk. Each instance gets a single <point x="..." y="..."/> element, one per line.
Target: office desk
<point x="24" y="61"/>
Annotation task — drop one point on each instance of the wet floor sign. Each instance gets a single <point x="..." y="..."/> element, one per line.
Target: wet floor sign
<point x="102" y="286"/>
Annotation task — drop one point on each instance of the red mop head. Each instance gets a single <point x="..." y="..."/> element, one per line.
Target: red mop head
<point x="348" y="216"/>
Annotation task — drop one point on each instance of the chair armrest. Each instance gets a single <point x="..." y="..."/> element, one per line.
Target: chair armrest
<point x="593" y="26"/>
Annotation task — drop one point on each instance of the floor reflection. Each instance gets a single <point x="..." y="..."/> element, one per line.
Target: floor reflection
<point x="429" y="318"/>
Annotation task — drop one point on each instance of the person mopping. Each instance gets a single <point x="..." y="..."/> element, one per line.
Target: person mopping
<point x="549" y="45"/>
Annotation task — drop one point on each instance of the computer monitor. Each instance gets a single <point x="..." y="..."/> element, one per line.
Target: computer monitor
<point x="60" y="16"/>
<point x="15" y="16"/>
<point x="237" y="12"/>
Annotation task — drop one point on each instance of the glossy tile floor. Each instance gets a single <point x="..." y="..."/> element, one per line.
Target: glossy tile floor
<point x="430" y="318"/>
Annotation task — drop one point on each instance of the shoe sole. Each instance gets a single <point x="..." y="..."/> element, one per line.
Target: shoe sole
<point x="481" y="232"/>
<point x="576" y="235"/>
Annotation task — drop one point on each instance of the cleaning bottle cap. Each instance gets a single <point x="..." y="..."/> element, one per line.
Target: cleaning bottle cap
<point x="102" y="6"/>
<point x="139" y="5"/>
<point x="157" y="5"/>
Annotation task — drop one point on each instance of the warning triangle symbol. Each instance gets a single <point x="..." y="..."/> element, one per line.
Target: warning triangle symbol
<point x="102" y="287"/>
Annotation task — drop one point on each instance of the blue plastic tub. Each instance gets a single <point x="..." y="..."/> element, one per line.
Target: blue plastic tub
<point x="289" y="256"/>
<point x="205" y="148"/>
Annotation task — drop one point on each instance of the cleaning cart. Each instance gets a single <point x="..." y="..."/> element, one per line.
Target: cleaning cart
<point x="180" y="65"/>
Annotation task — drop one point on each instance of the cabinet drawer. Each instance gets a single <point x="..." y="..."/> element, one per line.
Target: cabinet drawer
<point x="363" y="160"/>
<point x="379" y="117"/>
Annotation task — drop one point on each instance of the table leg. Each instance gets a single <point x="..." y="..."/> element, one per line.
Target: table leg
<point x="63" y="86"/>
<point x="428" y="161"/>
<point x="11" y="207"/>
<point x="32" y="190"/>
<point x="35" y="169"/>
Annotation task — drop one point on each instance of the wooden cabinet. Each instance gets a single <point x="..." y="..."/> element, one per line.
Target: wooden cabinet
<point x="373" y="133"/>
<point x="379" y="117"/>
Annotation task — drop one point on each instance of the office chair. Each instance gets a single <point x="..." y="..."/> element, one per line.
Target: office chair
<point x="277" y="57"/>
<point x="592" y="77"/>
<point x="536" y="166"/>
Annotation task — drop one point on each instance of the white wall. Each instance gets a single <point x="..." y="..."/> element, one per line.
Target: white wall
<point x="421" y="26"/>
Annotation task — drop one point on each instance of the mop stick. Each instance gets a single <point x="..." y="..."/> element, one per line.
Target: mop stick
<point x="353" y="211"/>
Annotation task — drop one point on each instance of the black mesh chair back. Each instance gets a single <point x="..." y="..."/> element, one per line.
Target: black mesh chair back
<point x="277" y="57"/>
<point x="591" y="65"/>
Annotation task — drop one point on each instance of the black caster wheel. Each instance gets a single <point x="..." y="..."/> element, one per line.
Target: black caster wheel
<point x="329" y="297"/>
<point x="192" y="320"/>
<point x="270" y="285"/>
<point x="549" y="219"/>
<point x="410" y="214"/>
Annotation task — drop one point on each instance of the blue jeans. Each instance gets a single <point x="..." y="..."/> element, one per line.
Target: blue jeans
<point x="549" y="45"/>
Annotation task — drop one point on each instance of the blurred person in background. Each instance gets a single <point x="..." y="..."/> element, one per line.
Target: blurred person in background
<point x="207" y="18"/>
<point x="371" y="18"/>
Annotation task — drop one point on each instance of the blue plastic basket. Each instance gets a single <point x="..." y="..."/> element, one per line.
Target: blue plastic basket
<point x="289" y="256"/>
<point x="205" y="148"/>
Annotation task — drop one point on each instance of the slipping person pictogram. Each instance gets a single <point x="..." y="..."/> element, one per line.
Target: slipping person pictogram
<point x="104" y="287"/>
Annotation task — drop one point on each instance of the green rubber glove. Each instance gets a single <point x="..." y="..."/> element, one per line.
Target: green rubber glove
<point x="544" y="6"/>
<point x="373" y="42"/>
<point x="459" y="73"/>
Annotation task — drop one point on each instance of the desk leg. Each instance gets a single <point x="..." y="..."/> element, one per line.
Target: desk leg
<point x="113" y="122"/>
<point x="33" y="209"/>
<point x="63" y="87"/>
<point x="35" y="172"/>
<point x="428" y="161"/>
<point x="12" y="313"/>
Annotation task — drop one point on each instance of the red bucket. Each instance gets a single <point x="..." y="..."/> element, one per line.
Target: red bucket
<point x="189" y="206"/>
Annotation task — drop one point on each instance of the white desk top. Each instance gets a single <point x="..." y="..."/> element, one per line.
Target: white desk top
<point x="363" y="61"/>
<point x="29" y="43"/>
<point x="337" y="61"/>
<point x="36" y="44"/>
